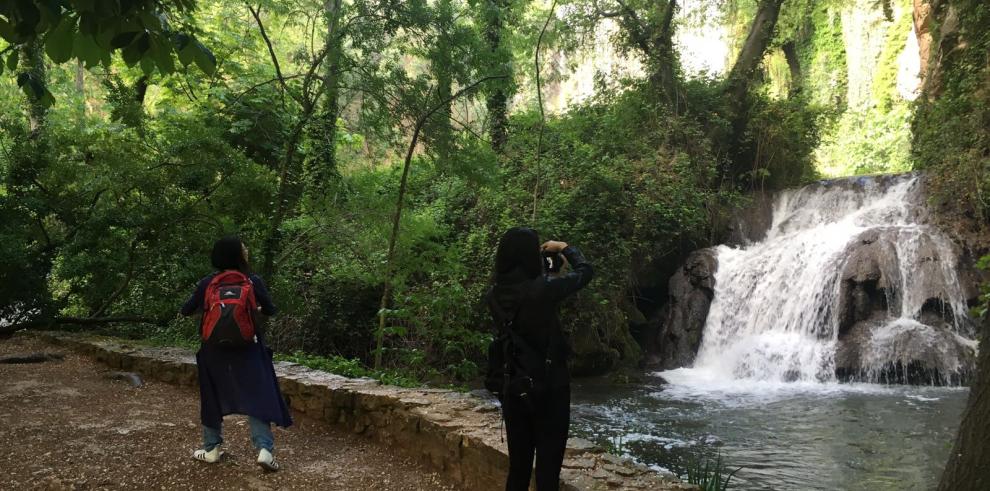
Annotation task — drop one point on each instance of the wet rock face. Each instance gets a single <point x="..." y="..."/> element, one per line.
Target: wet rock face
<point x="895" y="324"/>
<point x="864" y="290"/>
<point x="691" y="291"/>
<point x="904" y="353"/>
<point x="751" y="223"/>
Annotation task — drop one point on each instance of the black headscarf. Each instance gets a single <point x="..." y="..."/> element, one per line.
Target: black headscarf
<point x="519" y="250"/>
<point x="228" y="253"/>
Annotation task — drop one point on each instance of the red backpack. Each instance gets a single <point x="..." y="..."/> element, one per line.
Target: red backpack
<point x="228" y="311"/>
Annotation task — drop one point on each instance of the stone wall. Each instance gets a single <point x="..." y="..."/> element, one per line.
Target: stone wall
<point x="455" y="433"/>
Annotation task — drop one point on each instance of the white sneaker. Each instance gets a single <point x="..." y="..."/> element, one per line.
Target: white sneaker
<point x="211" y="457"/>
<point x="267" y="461"/>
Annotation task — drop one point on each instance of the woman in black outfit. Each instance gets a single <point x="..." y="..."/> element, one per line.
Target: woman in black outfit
<point x="529" y="298"/>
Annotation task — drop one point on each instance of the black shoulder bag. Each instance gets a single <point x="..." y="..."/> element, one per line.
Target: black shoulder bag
<point x="514" y="367"/>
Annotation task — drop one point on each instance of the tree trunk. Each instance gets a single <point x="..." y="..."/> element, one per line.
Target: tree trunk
<point x="794" y="64"/>
<point x="32" y="64"/>
<point x="321" y="167"/>
<point x="397" y="217"/>
<point x="664" y="75"/>
<point x="740" y="79"/>
<point x="969" y="464"/>
<point x="80" y="80"/>
<point x="80" y="85"/>
<point x="441" y="64"/>
<point x="753" y="50"/>
<point x="290" y="181"/>
<point x="498" y="100"/>
<point x="286" y="198"/>
<point x="923" y="23"/>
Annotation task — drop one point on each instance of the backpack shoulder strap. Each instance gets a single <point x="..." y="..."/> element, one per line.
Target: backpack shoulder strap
<point x="506" y="317"/>
<point x="231" y="275"/>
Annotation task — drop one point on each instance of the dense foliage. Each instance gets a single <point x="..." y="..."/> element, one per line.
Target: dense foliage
<point x="295" y="140"/>
<point x="846" y="59"/>
<point x="952" y="127"/>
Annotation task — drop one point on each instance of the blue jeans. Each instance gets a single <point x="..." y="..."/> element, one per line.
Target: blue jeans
<point x="261" y="435"/>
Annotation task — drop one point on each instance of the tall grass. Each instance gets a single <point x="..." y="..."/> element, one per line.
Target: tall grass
<point x="710" y="475"/>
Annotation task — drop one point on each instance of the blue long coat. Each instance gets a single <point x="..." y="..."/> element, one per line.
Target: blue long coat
<point x="238" y="381"/>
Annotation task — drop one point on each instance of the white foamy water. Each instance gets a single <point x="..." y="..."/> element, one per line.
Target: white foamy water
<point x="703" y="385"/>
<point x="773" y="322"/>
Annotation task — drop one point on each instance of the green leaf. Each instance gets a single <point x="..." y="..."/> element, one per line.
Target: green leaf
<point x="104" y="36"/>
<point x="12" y="60"/>
<point x="51" y="15"/>
<point x="8" y="32"/>
<point x="131" y="55"/>
<point x="163" y="56"/>
<point x="181" y="40"/>
<point x="88" y="24"/>
<point x="47" y="99"/>
<point x="151" y="20"/>
<point x="85" y="5"/>
<point x="148" y="65"/>
<point x="186" y="50"/>
<point x="122" y="39"/>
<point x="29" y="20"/>
<point x="32" y="88"/>
<point x="86" y="49"/>
<point x="204" y="59"/>
<point x="143" y="43"/>
<point x="58" y="44"/>
<point x="106" y="57"/>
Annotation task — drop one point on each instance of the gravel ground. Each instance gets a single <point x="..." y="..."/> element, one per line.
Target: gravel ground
<point x="67" y="425"/>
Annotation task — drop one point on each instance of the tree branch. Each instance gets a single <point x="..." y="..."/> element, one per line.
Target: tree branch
<point x="637" y="30"/>
<point x="261" y="84"/>
<point x="256" y="13"/>
<point x="89" y="213"/>
<point x="131" y="256"/>
<point x="666" y="26"/>
<point x="390" y="256"/>
<point x="543" y="118"/>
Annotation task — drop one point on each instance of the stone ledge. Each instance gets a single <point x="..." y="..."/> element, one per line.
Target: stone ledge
<point x="457" y="434"/>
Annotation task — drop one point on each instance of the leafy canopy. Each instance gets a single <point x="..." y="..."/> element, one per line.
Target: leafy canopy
<point x="146" y="33"/>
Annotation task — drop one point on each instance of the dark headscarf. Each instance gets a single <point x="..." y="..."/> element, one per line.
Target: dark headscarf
<point x="519" y="250"/>
<point x="228" y="253"/>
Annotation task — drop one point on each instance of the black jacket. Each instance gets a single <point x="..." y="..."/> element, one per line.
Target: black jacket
<point x="534" y="302"/>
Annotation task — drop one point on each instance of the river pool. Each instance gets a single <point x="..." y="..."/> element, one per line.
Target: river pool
<point x="784" y="436"/>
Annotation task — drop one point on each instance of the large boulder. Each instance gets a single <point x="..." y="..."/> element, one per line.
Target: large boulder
<point x="895" y="322"/>
<point x="692" y="288"/>
<point x="865" y="289"/>
<point x="904" y="352"/>
<point x="750" y="223"/>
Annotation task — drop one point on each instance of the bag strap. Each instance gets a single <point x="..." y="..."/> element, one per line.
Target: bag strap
<point x="232" y="273"/>
<point x="503" y="315"/>
<point x="514" y="337"/>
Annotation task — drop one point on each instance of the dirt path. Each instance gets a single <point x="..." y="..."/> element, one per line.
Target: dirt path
<point x="66" y="425"/>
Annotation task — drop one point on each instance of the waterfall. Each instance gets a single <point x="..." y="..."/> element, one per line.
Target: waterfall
<point x="850" y="278"/>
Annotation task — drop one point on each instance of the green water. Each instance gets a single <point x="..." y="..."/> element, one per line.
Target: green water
<point x="783" y="436"/>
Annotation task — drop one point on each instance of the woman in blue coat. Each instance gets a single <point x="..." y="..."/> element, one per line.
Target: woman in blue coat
<point x="241" y="380"/>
